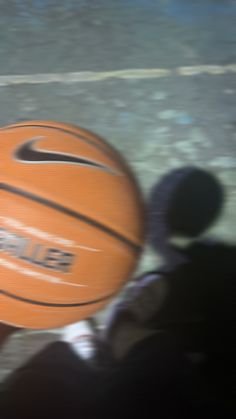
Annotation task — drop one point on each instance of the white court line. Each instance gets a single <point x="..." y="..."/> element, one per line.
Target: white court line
<point x="88" y="76"/>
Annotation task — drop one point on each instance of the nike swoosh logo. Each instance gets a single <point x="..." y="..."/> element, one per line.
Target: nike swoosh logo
<point x="27" y="153"/>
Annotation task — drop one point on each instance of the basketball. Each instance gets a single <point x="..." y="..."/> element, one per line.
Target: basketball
<point x="71" y="224"/>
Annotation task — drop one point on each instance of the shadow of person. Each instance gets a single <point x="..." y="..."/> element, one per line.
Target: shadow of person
<point x="199" y="305"/>
<point x="184" y="203"/>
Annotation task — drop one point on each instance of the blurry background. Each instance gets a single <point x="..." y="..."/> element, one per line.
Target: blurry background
<point x="173" y="106"/>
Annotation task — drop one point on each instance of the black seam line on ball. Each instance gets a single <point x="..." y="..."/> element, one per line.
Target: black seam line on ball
<point x="12" y="189"/>
<point x="45" y="304"/>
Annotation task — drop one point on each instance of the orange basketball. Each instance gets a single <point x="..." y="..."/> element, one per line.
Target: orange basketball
<point x="71" y="224"/>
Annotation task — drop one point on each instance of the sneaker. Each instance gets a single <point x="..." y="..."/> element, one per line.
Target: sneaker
<point x="128" y="323"/>
<point x="143" y="299"/>
<point x="81" y="338"/>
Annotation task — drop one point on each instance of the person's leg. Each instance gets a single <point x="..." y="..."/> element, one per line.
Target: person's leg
<point x="5" y="332"/>
<point x="55" y="381"/>
<point x="155" y="379"/>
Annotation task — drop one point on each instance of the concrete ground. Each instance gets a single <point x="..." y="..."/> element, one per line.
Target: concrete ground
<point x="174" y="106"/>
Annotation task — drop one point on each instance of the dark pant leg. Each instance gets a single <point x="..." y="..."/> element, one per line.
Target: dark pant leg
<point x="55" y="382"/>
<point x="156" y="380"/>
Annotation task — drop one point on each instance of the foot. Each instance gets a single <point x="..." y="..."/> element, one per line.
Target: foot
<point x="129" y="321"/>
<point x="81" y="338"/>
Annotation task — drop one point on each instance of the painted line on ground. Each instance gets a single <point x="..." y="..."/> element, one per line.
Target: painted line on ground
<point x="134" y="74"/>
